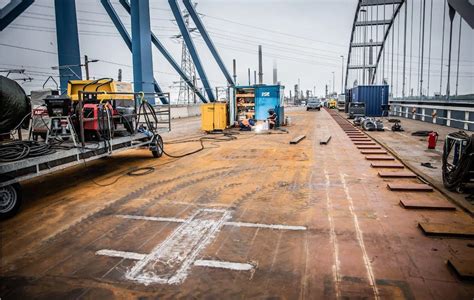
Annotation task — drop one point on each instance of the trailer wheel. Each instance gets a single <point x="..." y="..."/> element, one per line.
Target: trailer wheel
<point x="157" y="147"/>
<point x="10" y="200"/>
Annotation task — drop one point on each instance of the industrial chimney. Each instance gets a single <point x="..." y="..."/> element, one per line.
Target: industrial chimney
<point x="260" y="68"/>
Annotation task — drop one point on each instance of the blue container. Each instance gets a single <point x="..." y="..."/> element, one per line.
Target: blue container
<point x="268" y="97"/>
<point x="375" y="98"/>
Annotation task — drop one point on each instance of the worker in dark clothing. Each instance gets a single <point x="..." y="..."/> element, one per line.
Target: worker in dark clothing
<point x="246" y="124"/>
<point x="272" y="118"/>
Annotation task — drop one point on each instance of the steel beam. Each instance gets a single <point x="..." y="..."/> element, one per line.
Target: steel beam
<point x="380" y="2"/>
<point x="359" y="67"/>
<point x="200" y="26"/>
<point x="12" y="10"/>
<point x="356" y="15"/>
<point x="69" y="55"/>
<point x="192" y="49"/>
<point x="465" y="8"/>
<point x="379" y="55"/>
<point x="117" y="22"/>
<point x="370" y="44"/>
<point x="168" y="57"/>
<point x="127" y="39"/>
<point x="141" y="48"/>
<point x="372" y="23"/>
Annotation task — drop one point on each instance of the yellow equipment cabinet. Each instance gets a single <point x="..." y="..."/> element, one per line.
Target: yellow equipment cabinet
<point x="213" y="116"/>
<point x="102" y="85"/>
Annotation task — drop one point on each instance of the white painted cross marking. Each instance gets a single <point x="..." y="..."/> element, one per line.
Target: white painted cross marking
<point x="200" y="262"/>
<point x="170" y="261"/>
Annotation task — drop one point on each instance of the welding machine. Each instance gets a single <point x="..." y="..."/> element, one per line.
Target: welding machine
<point x="98" y="121"/>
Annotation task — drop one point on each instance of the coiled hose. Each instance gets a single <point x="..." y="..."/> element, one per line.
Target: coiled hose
<point x="454" y="175"/>
<point x="16" y="150"/>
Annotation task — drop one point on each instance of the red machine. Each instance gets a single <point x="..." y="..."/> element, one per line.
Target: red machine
<point x="432" y="139"/>
<point x="98" y="121"/>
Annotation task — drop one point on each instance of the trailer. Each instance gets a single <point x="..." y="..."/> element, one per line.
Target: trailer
<point x="148" y="123"/>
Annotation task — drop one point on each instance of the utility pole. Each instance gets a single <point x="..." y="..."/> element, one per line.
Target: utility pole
<point x="255" y="77"/>
<point x="119" y="77"/>
<point x="333" y="80"/>
<point x="342" y="74"/>
<point x="326" y="90"/>
<point x="249" y="77"/>
<point x="260" y="67"/>
<point x="235" y="71"/>
<point x="275" y="74"/>
<point x="86" y="65"/>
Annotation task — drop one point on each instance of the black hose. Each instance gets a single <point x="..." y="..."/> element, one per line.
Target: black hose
<point x="454" y="175"/>
<point x="17" y="150"/>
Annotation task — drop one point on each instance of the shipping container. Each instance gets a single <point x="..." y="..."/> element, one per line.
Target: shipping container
<point x="255" y="102"/>
<point x="375" y="98"/>
<point x="268" y="97"/>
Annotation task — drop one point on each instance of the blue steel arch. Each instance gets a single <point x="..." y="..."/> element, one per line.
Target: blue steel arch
<point x="387" y="25"/>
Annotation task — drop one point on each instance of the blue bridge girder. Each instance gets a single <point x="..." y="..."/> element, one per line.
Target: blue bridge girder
<point x="200" y="26"/>
<point x="128" y="40"/>
<point x="156" y="42"/>
<point x="192" y="48"/>
<point x="379" y="45"/>
<point x="69" y="55"/>
<point x="12" y="10"/>
<point x="141" y="49"/>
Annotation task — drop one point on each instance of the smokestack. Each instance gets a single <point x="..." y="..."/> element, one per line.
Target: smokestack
<point x="371" y="61"/>
<point x="249" y="78"/>
<point x="260" y="67"/>
<point x="275" y="75"/>
<point x="235" y="71"/>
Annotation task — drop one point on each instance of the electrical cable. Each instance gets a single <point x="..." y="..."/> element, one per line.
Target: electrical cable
<point x="17" y="150"/>
<point x="455" y="174"/>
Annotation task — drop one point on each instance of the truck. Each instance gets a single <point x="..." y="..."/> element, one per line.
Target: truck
<point x="341" y="102"/>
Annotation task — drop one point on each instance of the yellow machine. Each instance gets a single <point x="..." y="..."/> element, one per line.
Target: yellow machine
<point x="332" y="103"/>
<point x="213" y="116"/>
<point x="102" y="85"/>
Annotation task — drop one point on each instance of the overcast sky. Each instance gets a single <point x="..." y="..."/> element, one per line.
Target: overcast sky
<point x="305" y="37"/>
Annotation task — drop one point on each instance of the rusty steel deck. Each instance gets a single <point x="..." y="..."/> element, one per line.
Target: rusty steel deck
<point x="255" y="217"/>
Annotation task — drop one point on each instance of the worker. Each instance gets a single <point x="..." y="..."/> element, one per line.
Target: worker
<point x="246" y="124"/>
<point x="272" y="118"/>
